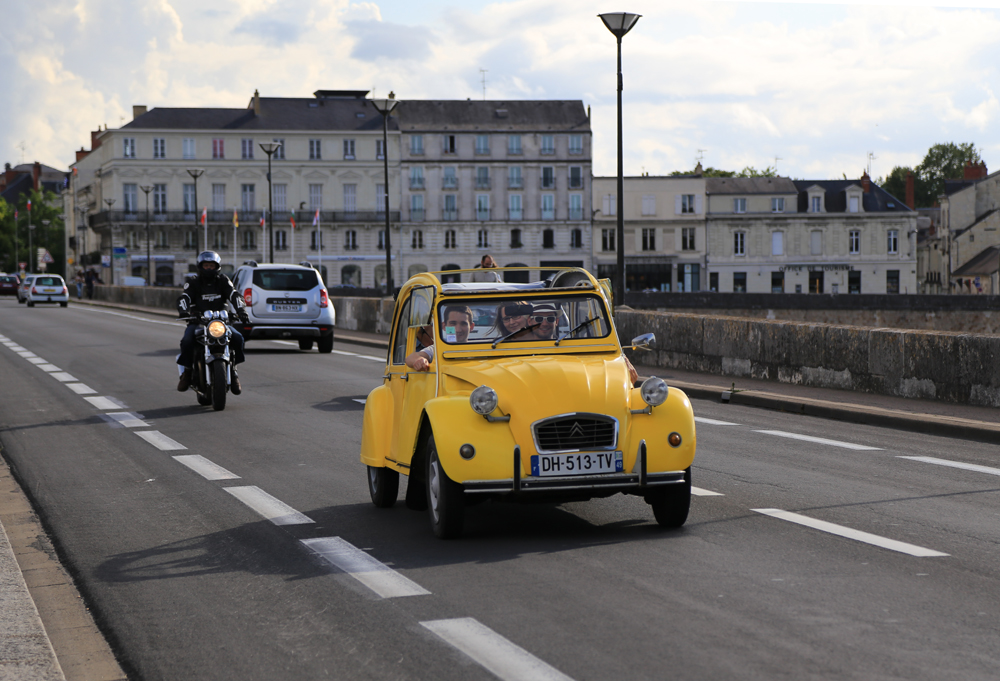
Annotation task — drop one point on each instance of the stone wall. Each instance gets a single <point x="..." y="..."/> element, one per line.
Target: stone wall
<point x="952" y="367"/>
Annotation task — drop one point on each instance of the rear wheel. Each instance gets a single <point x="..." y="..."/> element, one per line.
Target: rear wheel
<point x="305" y="344"/>
<point x="325" y="344"/>
<point x="671" y="503"/>
<point x="31" y="303"/>
<point x="63" y="304"/>
<point x="219" y="386"/>
<point x="383" y="486"/>
<point x="445" y="498"/>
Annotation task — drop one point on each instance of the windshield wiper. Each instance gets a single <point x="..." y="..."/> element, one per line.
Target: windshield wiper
<point x="578" y="327"/>
<point x="512" y="334"/>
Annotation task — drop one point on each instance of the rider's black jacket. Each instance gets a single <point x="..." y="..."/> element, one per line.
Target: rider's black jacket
<point x="200" y="295"/>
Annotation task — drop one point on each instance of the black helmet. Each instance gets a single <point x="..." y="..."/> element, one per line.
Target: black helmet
<point x="211" y="272"/>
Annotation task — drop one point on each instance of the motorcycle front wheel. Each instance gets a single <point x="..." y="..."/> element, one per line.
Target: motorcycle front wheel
<point x="219" y="386"/>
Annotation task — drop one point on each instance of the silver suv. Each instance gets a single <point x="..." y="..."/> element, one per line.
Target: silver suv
<point x="286" y="302"/>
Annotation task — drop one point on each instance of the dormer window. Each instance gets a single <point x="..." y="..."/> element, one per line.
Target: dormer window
<point x="854" y="204"/>
<point x="815" y="204"/>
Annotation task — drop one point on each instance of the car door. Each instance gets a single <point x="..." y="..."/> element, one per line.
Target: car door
<point x="396" y="374"/>
<point x="419" y="386"/>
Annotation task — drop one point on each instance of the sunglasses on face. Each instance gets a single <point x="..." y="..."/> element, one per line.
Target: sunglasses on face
<point x="544" y="319"/>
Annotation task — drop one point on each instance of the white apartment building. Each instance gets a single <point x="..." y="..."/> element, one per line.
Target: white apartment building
<point x="507" y="178"/>
<point x="970" y="222"/>
<point x="664" y="225"/>
<point x="327" y="176"/>
<point x="808" y="236"/>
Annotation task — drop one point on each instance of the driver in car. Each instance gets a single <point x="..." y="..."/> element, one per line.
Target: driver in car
<point x="458" y="324"/>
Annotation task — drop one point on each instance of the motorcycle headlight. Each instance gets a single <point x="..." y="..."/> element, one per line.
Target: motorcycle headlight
<point x="216" y="329"/>
<point x="483" y="400"/>
<point x="654" y="391"/>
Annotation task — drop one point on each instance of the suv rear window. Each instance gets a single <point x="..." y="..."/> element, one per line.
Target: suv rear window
<point x="8" y="280"/>
<point x="285" y="280"/>
<point x="48" y="281"/>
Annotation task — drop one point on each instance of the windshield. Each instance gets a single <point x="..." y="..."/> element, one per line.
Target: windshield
<point x="532" y="319"/>
<point x="285" y="280"/>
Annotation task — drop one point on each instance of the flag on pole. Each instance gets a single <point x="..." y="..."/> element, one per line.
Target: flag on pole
<point x="29" y="204"/>
<point x="236" y="219"/>
<point x="15" y="213"/>
<point x="204" y="215"/>
<point x="291" y="218"/>
<point x="262" y="218"/>
<point x="316" y="218"/>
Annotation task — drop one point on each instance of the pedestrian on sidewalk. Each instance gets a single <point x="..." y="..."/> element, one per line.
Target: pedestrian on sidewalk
<point x="89" y="279"/>
<point x="487" y="262"/>
<point x="79" y="284"/>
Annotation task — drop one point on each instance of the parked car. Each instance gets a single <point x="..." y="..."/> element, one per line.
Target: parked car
<point x="9" y="284"/>
<point x="527" y="398"/>
<point x="22" y="289"/>
<point x="47" y="288"/>
<point x="286" y="302"/>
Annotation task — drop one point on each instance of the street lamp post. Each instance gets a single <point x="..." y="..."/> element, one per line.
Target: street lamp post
<point x="270" y="148"/>
<point x="620" y="23"/>
<point x="195" y="173"/>
<point x="111" y="238"/>
<point x="385" y="107"/>
<point x="149" y="259"/>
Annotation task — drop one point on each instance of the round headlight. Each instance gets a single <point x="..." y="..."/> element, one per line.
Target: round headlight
<point x="654" y="391"/>
<point x="216" y="329"/>
<point x="483" y="400"/>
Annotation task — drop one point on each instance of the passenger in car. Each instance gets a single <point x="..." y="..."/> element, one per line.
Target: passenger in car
<point x="544" y="318"/>
<point x="510" y="317"/>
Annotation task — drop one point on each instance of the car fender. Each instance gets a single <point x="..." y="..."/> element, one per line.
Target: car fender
<point x="673" y="416"/>
<point x="376" y="430"/>
<point x="454" y="424"/>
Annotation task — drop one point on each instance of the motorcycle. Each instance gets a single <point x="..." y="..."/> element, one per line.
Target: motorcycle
<point x="212" y="372"/>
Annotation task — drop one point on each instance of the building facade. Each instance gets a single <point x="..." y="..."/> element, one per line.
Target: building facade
<point x="664" y="226"/>
<point x="970" y="220"/>
<point x="809" y="236"/>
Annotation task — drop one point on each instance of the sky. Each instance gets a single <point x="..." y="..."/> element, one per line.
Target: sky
<point x="814" y="89"/>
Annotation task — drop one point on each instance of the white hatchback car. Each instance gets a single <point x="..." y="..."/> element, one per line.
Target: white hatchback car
<point x="47" y="288"/>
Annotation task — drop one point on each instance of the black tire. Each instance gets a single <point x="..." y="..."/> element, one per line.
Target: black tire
<point x="31" y="303"/>
<point x="203" y="399"/>
<point x="305" y="344"/>
<point x="383" y="486"/>
<point x="416" y="494"/>
<point x="219" y="386"/>
<point x="325" y="344"/>
<point x="63" y="304"/>
<point x="20" y="300"/>
<point x="445" y="498"/>
<point x="671" y="503"/>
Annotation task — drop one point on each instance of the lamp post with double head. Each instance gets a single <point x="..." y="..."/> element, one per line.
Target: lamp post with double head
<point x="385" y="107"/>
<point x="620" y="23"/>
<point x="270" y="148"/>
<point x="195" y="173"/>
<point x="149" y="259"/>
<point x="111" y="237"/>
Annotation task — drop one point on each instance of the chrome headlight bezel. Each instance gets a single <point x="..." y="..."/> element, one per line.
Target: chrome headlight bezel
<point x="654" y="391"/>
<point x="216" y="329"/>
<point x="483" y="400"/>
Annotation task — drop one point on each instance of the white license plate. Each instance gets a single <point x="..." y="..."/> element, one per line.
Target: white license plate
<point x="580" y="463"/>
<point x="51" y="291"/>
<point x="286" y="308"/>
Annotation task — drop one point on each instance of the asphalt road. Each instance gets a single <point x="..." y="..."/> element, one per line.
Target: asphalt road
<point x="196" y="575"/>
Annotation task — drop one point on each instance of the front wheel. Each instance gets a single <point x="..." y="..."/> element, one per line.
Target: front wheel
<point x="325" y="344"/>
<point x="219" y="386"/>
<point x="671" y="503"/>
<point x="445" y="498"/>
<point x="305" y="344"/>
<point x="383" y="486"/>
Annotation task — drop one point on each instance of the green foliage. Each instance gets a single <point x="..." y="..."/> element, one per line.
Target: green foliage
<point x="748" y="171"/>
<point x="14" y="236"/>
<point x="895" y="181"/>
<point x="943" y="162"/>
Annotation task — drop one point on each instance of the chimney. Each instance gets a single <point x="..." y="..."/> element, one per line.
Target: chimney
<point x="94" y="142"/>
<point x="82" y="154"/>
<point x="911" y="192"/>
<point x="974" y="171"/>
<point x="36" y="174"/>
<point x="698" y="170"/>
<point x="866" y="182"/>
<point x="256" y="103"/>
<point x="138" y="110"/>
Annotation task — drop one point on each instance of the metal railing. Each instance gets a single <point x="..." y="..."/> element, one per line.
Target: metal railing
<point x="449" y="182"/>
<point x="416" y="214"/>
<point x="416" y="183"/>
<point x="482" y="213"/>
<point x="483" y="183"/>
<point x="246" y="218"/>
<point x="449" y="214"/>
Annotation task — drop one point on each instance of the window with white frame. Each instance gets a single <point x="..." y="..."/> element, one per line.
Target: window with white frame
<point x="218" y="197"/>
<point x="279" y="153"/>
<point x="416" y="177"/>
<point x="482" y="177"/>
<point x="576" y="144"/>
<point x="893" y="241"/>
<point x="854" y="204"/>
<point x="482" y="144"/>
<point x="548" y="206"/>
<point x="548" y="144"/>
<point x="189" y="206"/>
<point x="316" y="150"/>
<point x="416" y="145"/>
<point x="513" y="144"/>
<point x="449" y="239"/>
<point x="349" y="150"/>
<point x="218" y="148"/>
<point x="854" y="242"/>
<point x="280" y="197"/>
<point x="249" y="238"/>
<point x="220" y="241"/>
<point x="648" y="239"/>
<point x="450" y="144"/>
<point x="483" y="238"/>
<point x="449" y="209"/>
<point x="159" y="147"/>
<point x="130" y="194"/>
<point x="649" y="204"/>
<point x="575" y="177"/>
<point x="515" y="239"/>
<point x="417" y="239"/>
<point x="816" y="204"/>
<point x="449" y="178"/>
<point x="607" y="239"/>
<point x="687" y="238"/>
<point x="246" y="148"/>
<point x="316" y="240"/>
<point x="315" y="197"/>
<point x="128" y="147"/>
<point x="350" y="240"/>
<point x="610" y="204"/>
<point x="777" y="204"/>
<point x="576" y="238"/>
<point x="576" y="206"/>
<point x="740" y="205"/>
<point x="777" y="243"/>
<point x="482" y="206"/>
<point x="350" y="198"/>
<point x="159" y="198"/>
<point x="380" y="197"/>
<point x="191" y="239"/>
<point x="548" y="177"/>
<point x="816" y="242"/>
<point x="187" y="147"/>
<point x="687" y="204"/>
<point x="516" y="206"/>
<point x="162" y="239"/>
<point x="248" y="197"/>
<point x="514" y="178"/>
<point x="739" y="243"/>
<point x="280" y="240"/>
<point x="379" y="150"/>
<point x="416" y="206"/>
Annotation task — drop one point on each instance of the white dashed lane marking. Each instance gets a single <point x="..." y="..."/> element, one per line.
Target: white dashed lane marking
<point x="819" y="440"/>
<point x="81" y="388"/>
<point x="849" y="533"/>
<point x="375" y="575"/>
<point x="205" y="468"/>
<point x="713" y="422"/>
<point x="105" y="402"/>
<point x="275" y="510"/>
<point x="159" y="440"/>
<point x="699" y="492"/>
<point x="498" y="655"/>
<point x="954" y="464"/>
<point x="127" y="419"/>
<point x="45" y="366"/>
<point x="63" y="376"/>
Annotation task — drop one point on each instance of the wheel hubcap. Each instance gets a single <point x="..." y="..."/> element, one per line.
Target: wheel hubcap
<point x="435" y="488"/>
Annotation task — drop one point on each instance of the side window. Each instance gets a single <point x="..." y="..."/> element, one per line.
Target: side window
<point x="399" y="339"/>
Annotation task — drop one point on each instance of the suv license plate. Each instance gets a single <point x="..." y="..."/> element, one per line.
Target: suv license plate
<point x="286" y="308"/>
<point x="580" y="463"/>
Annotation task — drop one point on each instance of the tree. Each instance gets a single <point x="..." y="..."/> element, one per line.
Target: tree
<point x="49" y="237"/>
<point x="943" y="162"/>
<point x="748" y="171"/>
<point x="895" y="182"/>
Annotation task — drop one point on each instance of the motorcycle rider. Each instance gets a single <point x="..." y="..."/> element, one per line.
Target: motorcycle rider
<point x="210" y="291"/>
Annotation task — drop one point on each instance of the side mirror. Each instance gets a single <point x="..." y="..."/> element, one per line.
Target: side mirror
<point x="643" y="341"/>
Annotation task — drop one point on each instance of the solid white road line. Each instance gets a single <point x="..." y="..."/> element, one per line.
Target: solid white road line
<point x="848" y="533"/>
<point x="81" y="388"/>
<point x="127" y="419"/>
<point x="159" y="440"/>
<point x="104" y="402"/>
<point x="699" y="492"/>
<point x="713" y="422"/>
<point x="954" y="464"/>
<point x="377" y="576"/>
<point x="63" y="376"/>
<point x="205" y="468"/>
<point x="45" y="366"/>
<point x="819" y="440"/>
<point x="494" y="652"/>
<point x="278" y="512"/>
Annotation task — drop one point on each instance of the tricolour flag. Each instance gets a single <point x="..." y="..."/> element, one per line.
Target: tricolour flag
<point x="236" y="219"/>
<point x="316" y="218"/>
<point x="262" y="218"/>
<point x="29" y="204"/>
<point x="204" y="215"/>
<point x="291" y="219"/>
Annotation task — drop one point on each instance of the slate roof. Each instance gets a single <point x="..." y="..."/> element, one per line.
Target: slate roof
<point x="877" y="200"/>
<point x="471" y="115"/>
<point x="985" y="263"/>
<point x="749" y="185"/>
